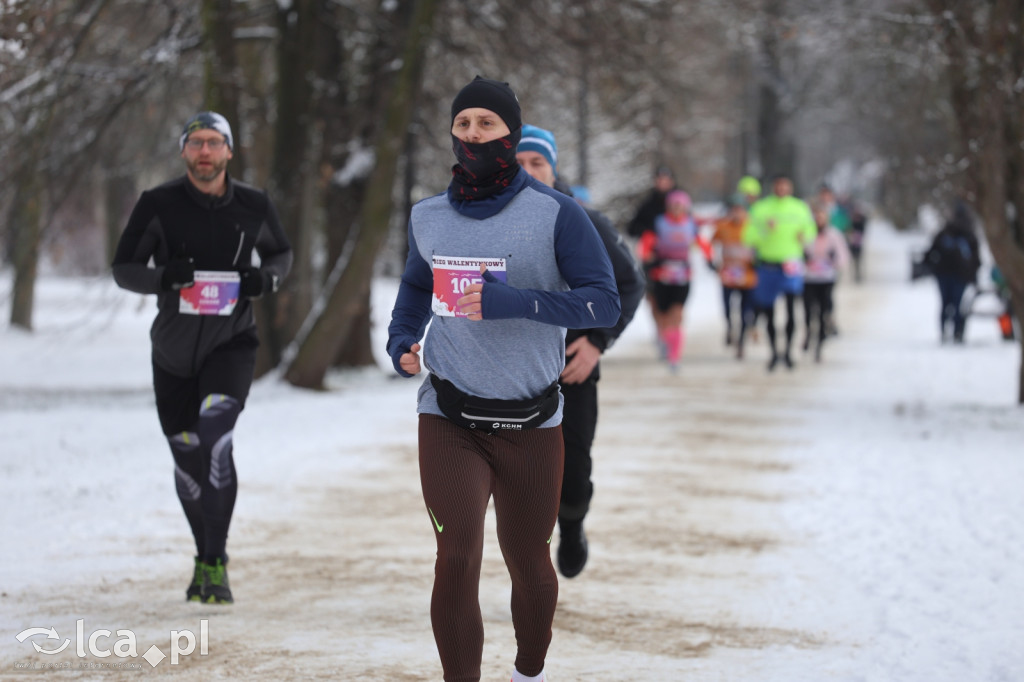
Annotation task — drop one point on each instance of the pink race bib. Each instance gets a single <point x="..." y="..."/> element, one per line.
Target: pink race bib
<point x="793" y="268"/>
<point x="675" y="272"/>
<point x="453" y="274"/>
<point x="733" y="275"/>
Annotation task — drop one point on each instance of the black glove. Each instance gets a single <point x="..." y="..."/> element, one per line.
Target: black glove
<point x="254" y="282"/>
<point x="179" y="273"/>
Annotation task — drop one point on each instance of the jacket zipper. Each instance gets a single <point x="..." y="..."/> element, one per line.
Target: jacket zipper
<point x="241" y="243"/>
<point x="202" y="318"/>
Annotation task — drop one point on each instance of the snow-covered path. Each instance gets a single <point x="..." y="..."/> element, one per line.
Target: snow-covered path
<point x="860" y="519"/>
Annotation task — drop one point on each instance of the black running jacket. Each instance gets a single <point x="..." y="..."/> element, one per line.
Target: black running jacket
<point x="176" y="220"/>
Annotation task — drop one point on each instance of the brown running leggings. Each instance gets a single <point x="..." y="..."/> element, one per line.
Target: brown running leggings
<point x="459" y="471"/>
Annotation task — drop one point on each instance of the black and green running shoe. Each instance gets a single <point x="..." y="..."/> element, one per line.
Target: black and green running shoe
<point x="195" y="588"/>
<point x="215" y="589"/>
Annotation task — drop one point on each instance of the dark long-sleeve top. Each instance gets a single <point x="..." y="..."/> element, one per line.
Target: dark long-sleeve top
<point x="219" y="233"/>
<point x="652" y="206"/>
<point x="629" y="280"/>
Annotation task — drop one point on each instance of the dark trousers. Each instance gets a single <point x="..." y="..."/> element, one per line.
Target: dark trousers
<point x="951" y="291"/>
<point x="460" y="470"/>
<point x="769" y="317"/>
<point x="579" y="424"/>
<point x="746" y="308"/>
<point x="198" y="415"/>
<point x="855" y="255"/>
<point x="817" y="311"/>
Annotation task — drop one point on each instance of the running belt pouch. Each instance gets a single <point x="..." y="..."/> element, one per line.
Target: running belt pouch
<point x="489" y="414"/>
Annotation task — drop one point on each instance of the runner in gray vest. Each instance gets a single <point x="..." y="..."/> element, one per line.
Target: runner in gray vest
<point x="500" y="264"/>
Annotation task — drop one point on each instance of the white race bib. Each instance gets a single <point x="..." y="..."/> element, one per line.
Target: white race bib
<point x="215" y="292"/>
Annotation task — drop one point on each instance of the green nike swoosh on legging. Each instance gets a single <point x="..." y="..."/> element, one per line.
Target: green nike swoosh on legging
<point x="440" y="528"/>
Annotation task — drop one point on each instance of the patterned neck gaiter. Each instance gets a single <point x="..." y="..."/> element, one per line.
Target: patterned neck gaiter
<point x="485" y="168"/>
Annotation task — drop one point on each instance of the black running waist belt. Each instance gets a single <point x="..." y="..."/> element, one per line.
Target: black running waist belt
<point x="490" y="414"/>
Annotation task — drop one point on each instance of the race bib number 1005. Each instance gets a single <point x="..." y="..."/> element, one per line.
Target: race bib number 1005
<point x="214" y="293"/>
<point x="453" y="274"/>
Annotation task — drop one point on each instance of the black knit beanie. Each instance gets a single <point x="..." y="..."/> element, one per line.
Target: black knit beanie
<point x="489" y="94"/>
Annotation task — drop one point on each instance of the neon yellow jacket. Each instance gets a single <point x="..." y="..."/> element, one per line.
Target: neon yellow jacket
<point x="778" y="228"/>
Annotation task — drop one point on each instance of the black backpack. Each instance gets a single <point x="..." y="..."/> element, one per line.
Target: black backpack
<point x="952" y="254"/>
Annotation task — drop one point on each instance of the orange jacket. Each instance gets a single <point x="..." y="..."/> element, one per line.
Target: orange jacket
<point x="736" y="259"/>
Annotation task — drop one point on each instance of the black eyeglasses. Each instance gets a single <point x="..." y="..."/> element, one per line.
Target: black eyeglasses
<point x="214" y="145"/>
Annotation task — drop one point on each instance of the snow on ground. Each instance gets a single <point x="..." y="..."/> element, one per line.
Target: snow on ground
<point x="861" y="519"/>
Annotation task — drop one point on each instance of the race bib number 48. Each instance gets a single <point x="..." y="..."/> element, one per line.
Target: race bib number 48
<point x="214" y="293"/>
<point x="453" y="274"/>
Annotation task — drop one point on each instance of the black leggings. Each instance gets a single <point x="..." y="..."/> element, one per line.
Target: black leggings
<point x="204" y="475"/>
<point x="817" y="309"/>
<point x="459" y="471"/>
<point x="769" y="314"/>
<point x="951" y="290"/>
<point x="579" y="424"/>
<point x="746" y="309"/>
<point x="198" y="415"/>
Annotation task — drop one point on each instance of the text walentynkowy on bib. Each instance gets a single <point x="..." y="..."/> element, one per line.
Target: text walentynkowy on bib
<point x="452" y="274"/>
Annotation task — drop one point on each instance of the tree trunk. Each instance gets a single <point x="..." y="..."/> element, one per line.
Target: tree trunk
<point x="409" y="183"/>
<point x="363" y="126"/>
<point x="775" y="146"/>
<point x="118" y="199"/>
<point x="356" y="349"/>
<point x="26" y="224"/>
<point x="222" y="75"/>
<point x="290" y="171"/>
<point x="349" y="285"/>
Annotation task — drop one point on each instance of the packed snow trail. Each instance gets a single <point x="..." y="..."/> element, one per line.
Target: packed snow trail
<point x="854" y="520"/>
